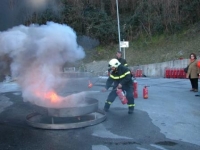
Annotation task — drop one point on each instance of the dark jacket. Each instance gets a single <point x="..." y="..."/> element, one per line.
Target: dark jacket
<point x="121" y="75"/>
<point x="122" y="61"/>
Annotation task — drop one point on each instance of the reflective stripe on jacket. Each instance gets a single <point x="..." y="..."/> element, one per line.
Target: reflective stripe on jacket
<point x="121" y="75"/>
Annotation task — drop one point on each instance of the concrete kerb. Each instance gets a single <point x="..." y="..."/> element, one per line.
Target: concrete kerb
<point x="158" y="69"/>
<point x="149" y="70"/>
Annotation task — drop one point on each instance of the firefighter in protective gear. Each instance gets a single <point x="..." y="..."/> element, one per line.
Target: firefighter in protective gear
<point x="120" y="59"/>
<point x="122" y="78"/>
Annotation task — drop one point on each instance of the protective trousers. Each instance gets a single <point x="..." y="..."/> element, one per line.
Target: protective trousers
<point x="129" y="95"/>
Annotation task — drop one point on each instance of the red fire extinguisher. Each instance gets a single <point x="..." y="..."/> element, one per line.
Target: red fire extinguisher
<point x="135" y="89"/>
<point x="145" y="92"/>
<point x="122" y="96"/>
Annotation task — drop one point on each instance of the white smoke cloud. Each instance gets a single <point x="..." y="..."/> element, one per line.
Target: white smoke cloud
<point x="38" y="53"/>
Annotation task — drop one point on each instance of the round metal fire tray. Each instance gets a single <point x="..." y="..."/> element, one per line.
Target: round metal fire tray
<point x="47" y="122"/>
<point x="90" y="105"/>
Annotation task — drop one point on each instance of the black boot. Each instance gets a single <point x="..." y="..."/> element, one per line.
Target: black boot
<point x="106" y="107"/>
<point x="130" y="110"/>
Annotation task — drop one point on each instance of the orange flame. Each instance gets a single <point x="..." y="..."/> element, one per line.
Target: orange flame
<point x="50" y="95"/>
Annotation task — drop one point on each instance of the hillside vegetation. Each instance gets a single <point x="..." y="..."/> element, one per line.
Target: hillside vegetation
<point x="157" y="30"/>
<point x="138" y="18"/>
<point x="155" y="49"/>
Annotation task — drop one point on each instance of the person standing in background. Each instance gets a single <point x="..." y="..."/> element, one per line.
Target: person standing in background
<point x="193" y="72"/>
<point x="120" y="59"/>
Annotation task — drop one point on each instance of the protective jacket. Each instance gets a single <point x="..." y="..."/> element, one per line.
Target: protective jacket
<point x="122" y="61"/>
<point x="193" y="70"/>
<point x="121" y="75"/>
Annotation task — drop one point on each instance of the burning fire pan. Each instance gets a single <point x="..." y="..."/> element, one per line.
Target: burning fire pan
<point x="90" y="105"/>
<point x="46" y="122"/>
<point x="69" y="117"/>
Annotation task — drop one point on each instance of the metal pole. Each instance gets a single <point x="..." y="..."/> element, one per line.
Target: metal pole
<point x="124" y="54"/>
<point x="124" y="51"/>
<point x="118" y="24"/>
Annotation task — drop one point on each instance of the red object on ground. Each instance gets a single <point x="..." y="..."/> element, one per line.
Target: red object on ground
<point x="140" y="72"/>
<point x="175" y="73"/>
<point x="90" y="84"/>
<point x="178" y="73"/>
<point x="135" y="89"/>
<point x="167" y="73"/>
<point x="137" y="73"/>
<point x="171" y="73"/>
<point x="145" y="92"/>
<point x="133" y="73"/>
<point x="182" y="73"/>
<point x="122" y="96"/>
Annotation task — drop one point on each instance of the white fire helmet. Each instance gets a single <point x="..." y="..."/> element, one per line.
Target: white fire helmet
<point x="114" y="63"/>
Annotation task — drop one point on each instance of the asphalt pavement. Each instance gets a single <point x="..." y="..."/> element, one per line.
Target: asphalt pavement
<point x="168" y="120"/>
